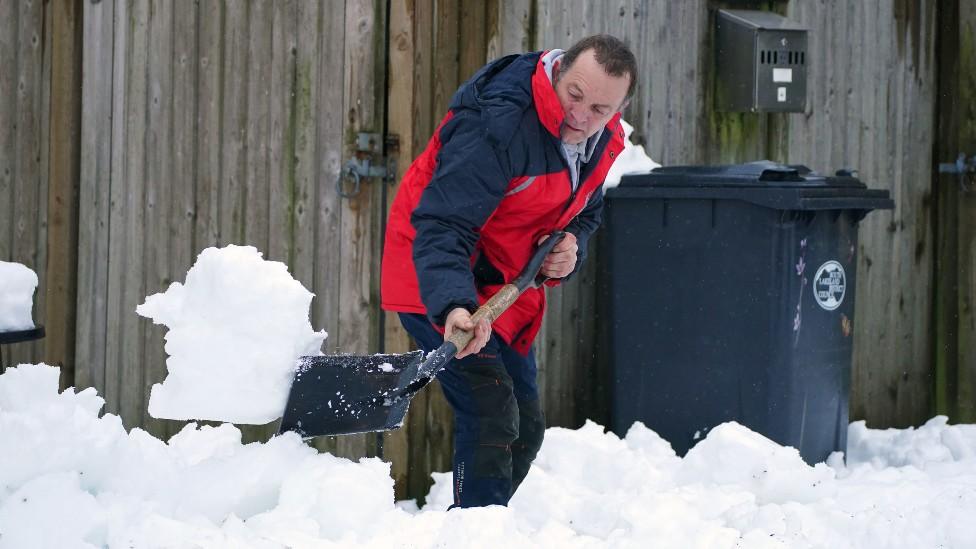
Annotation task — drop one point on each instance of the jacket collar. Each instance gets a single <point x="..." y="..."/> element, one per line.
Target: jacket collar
<point x="546" y="102"/>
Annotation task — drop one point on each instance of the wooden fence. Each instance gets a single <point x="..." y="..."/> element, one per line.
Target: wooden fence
<point x="135" y="133"/>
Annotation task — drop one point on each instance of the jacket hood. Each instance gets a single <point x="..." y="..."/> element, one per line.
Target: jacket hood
<point x="504" y="89"/>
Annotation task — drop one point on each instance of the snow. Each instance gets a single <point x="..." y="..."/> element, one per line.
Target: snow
<point x="17" y="285"/>
<point x="70" y="477"/>
<point x="236" y="329"/>
<point x="633" y="159"/>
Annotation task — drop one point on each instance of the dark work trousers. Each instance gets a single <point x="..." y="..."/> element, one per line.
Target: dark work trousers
<point x="498" y="422"/>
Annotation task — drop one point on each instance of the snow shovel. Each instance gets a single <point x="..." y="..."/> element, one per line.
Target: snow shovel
<point x="347" y="394"/>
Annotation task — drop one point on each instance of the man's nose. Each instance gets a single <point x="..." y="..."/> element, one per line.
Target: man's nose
<point x="579" y="116"/>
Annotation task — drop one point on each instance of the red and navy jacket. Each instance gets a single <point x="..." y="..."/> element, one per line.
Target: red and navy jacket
<point x="492" y="180"/>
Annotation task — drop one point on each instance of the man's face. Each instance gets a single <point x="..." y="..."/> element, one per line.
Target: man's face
<point x="589" y="97"/>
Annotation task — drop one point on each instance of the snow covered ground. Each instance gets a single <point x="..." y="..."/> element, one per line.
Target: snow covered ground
<point x="70" y="477"/>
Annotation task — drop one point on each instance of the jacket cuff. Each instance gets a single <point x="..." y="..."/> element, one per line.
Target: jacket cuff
<point x="441" y="317"/>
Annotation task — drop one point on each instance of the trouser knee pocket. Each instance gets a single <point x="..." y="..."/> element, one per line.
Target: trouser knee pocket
<point x="532" y="429"/>
<point x="498" y="415"/>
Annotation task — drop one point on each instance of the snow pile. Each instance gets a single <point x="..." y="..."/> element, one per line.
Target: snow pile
<point x="633" y="159"/>
<point x="72" y="479"/>
<point x="934" y="442"/>
<point x="236" y="329"/>
<point x="17" y="285"/>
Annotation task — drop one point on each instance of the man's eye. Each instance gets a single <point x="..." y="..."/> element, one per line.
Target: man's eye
<point x="575" y="97"/>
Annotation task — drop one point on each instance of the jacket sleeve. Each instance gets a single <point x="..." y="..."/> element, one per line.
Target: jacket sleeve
<point x="583" y="226"/>
<point x="467" y="186"/>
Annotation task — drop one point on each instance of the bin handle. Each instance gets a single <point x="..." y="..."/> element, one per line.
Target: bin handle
<point x="780" y="174"/>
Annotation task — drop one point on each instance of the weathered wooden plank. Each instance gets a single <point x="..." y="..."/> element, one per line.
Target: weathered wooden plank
<point x="446" y="51"/>
<point x="472" y="39"/>
<point x="233" y="120"/>
<point x="909" y="370"/>
<point x="157" y="270"/>
<point x="259" y="186"/>
<point x="9" y="18"/>
<point x="330" y="139"/>
<point x="183" y="160"/>
<point x="329" y="92"/>
<point x="62" y="235"/>
<point x="302" y="169"/>
<point x="876" y="232"/>
<point x="257" y="181"/>
<point x="209" y="106"/>
<point x="306" y="173"/>
<point x="362" y="102"/>
<point x="116" y="256"/>
<point x="282" y="135"/>
<point x="425" y="117"/>
<point x="516" y="34"/>
<point x="507" y="27"/>
<point x="93" y="203"/>
<point x="133" y="330"/>
<point x="422" y="121"/>
<point x="955" y="209"/>
<point x="29" y="200"/>
<point x="400" y="98"/>
<point x="38" y="348"/>
<point x="966" y="408"/>
<point x="947" y="192"/>
<point x="125" y="331"/>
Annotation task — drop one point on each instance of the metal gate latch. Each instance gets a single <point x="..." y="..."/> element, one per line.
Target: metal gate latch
<point x="370" y="162"/>
<point x="964" y="169"/>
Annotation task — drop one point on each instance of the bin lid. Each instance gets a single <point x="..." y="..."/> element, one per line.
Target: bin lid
<point x="762" y="173"/>
<point x="762" y="182"/>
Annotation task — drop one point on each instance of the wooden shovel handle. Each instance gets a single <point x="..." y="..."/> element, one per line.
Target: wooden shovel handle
<point x="503" y="299"/>
<point x="491" y="310"/>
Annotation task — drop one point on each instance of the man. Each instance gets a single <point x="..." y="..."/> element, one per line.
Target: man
<point x="523" y="151"/>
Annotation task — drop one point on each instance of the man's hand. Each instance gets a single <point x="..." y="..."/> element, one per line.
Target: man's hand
<point x="562" y="259"/>
<point x="460" y="319"/>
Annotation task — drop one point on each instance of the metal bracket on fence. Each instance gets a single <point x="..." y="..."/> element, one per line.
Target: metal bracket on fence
<point x="965" y="171"/>
<point x="369" y="162"/>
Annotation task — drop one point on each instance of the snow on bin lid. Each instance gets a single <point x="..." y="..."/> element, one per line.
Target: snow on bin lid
<point x="761" y="173"/>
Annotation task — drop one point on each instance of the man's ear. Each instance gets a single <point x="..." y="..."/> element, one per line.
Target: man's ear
<point x="624" y="105"/>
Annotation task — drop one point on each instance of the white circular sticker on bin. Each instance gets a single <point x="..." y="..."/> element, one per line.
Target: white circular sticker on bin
<point x="829" y="285"/>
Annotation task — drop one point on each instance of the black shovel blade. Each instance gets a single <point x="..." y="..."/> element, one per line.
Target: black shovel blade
<point x="348" y="394"/>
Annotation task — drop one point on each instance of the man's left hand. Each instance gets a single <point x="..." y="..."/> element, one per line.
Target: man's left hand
<point x="562" y="259"/>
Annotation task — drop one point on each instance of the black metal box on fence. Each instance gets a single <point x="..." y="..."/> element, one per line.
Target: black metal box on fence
<point x="727" y="294"/>
<point x="760" y="62"/>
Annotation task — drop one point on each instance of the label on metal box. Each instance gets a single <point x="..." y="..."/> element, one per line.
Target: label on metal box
<point x="782" y="75"/>
<point x="830" y="285"/>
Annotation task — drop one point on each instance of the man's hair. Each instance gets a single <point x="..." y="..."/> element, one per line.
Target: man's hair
<point x="611" y="53"/>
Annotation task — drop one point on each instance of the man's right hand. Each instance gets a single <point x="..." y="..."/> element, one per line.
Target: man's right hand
<point x="460" y="319"/>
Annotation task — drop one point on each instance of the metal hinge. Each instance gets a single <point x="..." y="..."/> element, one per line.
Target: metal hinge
<point x="370" y="162"/>
<point x="965" y="171"/>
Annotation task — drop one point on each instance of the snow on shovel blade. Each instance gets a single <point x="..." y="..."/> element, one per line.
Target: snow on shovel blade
<point x="348" y="394"/>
